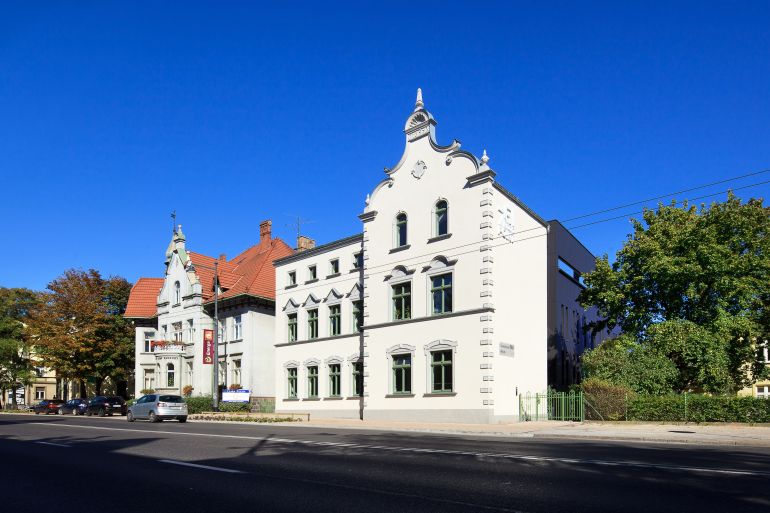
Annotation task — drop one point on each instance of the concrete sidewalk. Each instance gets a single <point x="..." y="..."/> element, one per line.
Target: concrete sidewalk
<point x="723" y="434"/>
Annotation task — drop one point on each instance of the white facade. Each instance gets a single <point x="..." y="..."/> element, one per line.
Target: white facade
<point x="474" y="265"/>
<point x="169" y="346"/>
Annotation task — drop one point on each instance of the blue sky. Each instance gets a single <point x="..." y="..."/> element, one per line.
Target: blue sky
<point x="230" y="113"/>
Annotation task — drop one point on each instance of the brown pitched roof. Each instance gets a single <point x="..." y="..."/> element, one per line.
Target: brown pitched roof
<point x="251" y="272"/>
<point x="142" y="303"/>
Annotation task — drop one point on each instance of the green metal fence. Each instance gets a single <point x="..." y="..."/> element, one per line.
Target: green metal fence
<point x="552" y="406"/>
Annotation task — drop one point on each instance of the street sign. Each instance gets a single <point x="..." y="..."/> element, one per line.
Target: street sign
<point x="208" y="347"/>
<point x="236" y="396"/>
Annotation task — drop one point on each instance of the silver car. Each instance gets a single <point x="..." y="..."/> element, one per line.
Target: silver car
<point x="158" y="407"/>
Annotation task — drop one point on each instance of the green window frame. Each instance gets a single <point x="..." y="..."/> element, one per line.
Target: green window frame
<point x="291" y="377"/>
<point x="441" y="293"/>
<point x="358" y="315"/>
<point x="312" y="323"/>
<point x="335" y="380"/>
<point x="292" y="327"/>
<point x="401" y="225"/>
<point x="312" y="381"/>
<point x="441" y="218"/>
<point x="335" y="320"/>
<point x="402" y="301"/>
<point x="402" y="373"/>
<point x="442" y="371"/>
<point x="358" y="379"/>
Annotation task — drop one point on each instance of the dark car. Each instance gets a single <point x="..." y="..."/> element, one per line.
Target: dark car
<point x="106" y="405"/>
<point x="74" y="407"/>
<point x="47" y="406"/>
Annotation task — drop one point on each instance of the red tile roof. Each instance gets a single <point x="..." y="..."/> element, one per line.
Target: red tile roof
<point x="142" y="303"/>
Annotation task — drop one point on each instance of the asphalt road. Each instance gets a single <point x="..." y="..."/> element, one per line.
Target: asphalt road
<point x="107" y="464"/>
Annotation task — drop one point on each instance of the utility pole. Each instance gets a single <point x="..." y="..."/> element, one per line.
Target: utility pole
<point x="215" y="394"/>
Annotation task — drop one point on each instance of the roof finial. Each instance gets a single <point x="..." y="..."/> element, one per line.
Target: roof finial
<point x="418" y="104"/>
<point x="484" y="158"/>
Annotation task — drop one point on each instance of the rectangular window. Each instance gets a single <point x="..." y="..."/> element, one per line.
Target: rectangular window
<point x="441" y="371"/>
<point x="291" y="374"/>
<point x="571" y="271"/>
<point x="335" y="320"/>
<point x="312" y="381"/>
<point x="190" y="331"/>
<point x="148" y="341"/>
<point x="177" y="332"/>
<point x="149" y="379"/>
<point x="190" y="373"/>
<point x="335" y="380"/>
<point x="39" y="392"/>
<point x="222" y="373"/>
<point x="334" y="266"/>
<point x="236" y="372"/>
<point x="222" y="330"/>
<point x="164" y="332"/>
<point x="763" y="392"/>
<point x="237" y="328"/>
<point x="402" y="374"/>
<point x="358" y="260"/>
<point x="358" y="379"/>
<point x="292" y="327"/>
<point x="402" y="301"/>
<point x="441" y="292"/>
<point x="358" y="315"/>
<point x="312" y="323"/>
<point x="292" y="277"/>
<point x="311" y="273"/>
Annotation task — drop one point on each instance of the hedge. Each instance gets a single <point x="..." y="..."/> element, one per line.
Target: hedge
<point x="699" y="408"/>
<point x="234" y="407"/>
<point x="198" y="404"/>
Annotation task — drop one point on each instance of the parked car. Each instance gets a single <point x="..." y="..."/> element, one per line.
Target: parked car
<point x="47" y="406"/>
<point x="106" y="405"/>
<point x="158" y="407"/>
<point x="74" y="407"/>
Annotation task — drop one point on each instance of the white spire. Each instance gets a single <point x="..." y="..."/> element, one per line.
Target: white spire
<point x="484" y="158"/>
<point x="418" y="104"/>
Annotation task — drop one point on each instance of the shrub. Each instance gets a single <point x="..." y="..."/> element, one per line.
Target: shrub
<point x="187" y="390"/>
<point x="699" y="408"/>
<point x="146" y="391"/>
<point x="198" y="404"/>
<point x="605" y="401"/>
<point x="234" y="407"/>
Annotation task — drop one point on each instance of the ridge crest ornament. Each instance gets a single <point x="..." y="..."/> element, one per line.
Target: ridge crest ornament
<point x="419" y="169"/>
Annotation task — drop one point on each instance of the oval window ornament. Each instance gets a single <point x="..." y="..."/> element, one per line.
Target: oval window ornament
<point x="419" y="169"/>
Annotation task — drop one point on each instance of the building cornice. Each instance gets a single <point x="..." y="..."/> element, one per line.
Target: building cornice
<point x="347" y="241"/>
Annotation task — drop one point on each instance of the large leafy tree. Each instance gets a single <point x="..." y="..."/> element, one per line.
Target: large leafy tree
<point x="15" y="366"/>
<point x="691" y="285"/>
<point x="79" y="329"/>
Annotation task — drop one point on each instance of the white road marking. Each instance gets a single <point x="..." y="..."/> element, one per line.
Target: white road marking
<point x="205" y="467"/>
<point x="523" y="457"/>
<point x="51" y="443"/>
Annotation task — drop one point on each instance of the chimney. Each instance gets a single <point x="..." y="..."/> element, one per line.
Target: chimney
<point x="223" y="258"/>
<point x="304" y="243"/>
<point x="265" y="231"/>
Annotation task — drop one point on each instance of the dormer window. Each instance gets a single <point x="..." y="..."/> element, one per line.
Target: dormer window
<point x="177" y="293"/>
<point x="441" y="218"/>
<point x="401" y="223"/>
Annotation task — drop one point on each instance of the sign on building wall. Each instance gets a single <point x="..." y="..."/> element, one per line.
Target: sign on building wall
<point x="506" y="350"/>
<point x="235" y="396"/>
<point x="208" y="347"/>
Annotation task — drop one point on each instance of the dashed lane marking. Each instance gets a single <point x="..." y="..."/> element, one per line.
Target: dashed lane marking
<point x="51" y="443"/>
<point x="204" y="467"/>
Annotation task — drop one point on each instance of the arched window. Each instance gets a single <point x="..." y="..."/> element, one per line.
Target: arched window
<point x="177" y="293"/>
<point x="401" y="230"/>
<point x="441" y="218"/>
<point x="170" y="375"/>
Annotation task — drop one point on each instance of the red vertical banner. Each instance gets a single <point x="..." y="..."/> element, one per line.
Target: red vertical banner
<point x="208" y="347"/>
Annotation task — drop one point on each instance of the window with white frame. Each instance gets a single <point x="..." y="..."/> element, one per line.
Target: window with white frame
<point x="334" y="266"/>
<point x="222" y="373"/>
<point x="440" y="218"/>
<point x="358" y="315"/>
<point x="236" y="371"/>
<point x="401" y="230"/>
<point x="177" y="293"/>
<point x="292" y="277"/>
<point x="222" y="330"/>
<point x="170" y="375"/>
<point x="39" y="392"/>
<point x="149" y="379"/>
<point x="176" y="334"/>
<point x="164" y="332"/>
<point x="311" y="273"/>
<point x="763" y="392"/>
<point x="189" y="369"/>
<point x="358" y="260"/>
<point x="237" y="328"/>
<point x="148" y="336"/>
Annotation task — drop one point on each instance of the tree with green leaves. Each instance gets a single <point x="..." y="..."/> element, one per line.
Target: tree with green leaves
<point x="15" y="366"/>
<point x="79" y="328"/>
<point x="690" y="285"/>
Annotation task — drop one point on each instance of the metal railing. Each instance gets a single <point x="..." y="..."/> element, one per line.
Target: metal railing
<point x="552" y="406"/>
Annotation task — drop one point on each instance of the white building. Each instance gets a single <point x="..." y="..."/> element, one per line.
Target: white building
<point x="454" y="299"/>
<point x="170" y="315"/>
